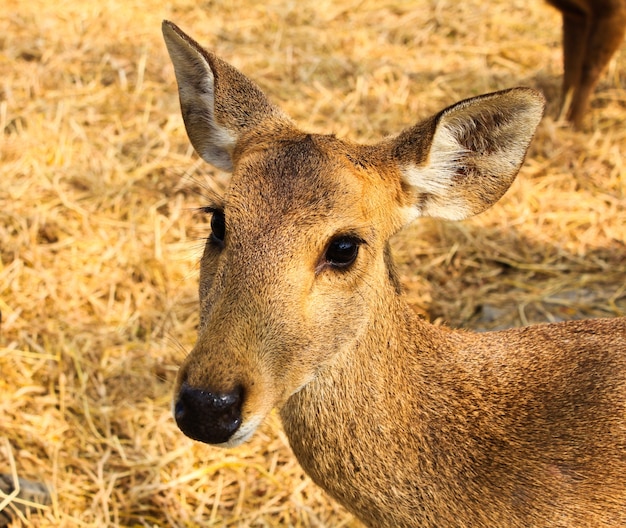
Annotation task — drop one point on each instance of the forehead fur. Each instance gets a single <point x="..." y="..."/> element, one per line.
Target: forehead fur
<point x="296" y="174"/>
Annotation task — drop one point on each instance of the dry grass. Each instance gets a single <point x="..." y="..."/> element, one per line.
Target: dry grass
<point x="99" y="244"/>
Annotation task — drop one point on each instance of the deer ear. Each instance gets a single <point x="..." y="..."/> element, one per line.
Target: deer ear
<point x="218" y="102"/>
<point x="461" y="161"/>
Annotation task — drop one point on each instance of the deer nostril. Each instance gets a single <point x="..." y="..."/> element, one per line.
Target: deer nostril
<point x="206" y="416"/>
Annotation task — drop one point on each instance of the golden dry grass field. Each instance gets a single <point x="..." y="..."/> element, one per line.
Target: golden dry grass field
<point x="100" y="240"/>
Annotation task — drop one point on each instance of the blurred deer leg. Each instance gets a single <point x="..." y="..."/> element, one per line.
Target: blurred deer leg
<point x="575" y="33"/>
<point x="603" y="39"/>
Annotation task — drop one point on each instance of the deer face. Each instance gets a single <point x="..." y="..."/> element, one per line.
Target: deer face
<point x="285" y="281"/>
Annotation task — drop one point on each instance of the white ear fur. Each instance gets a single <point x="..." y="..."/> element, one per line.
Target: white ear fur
<point x="434" y="178"/>
<point x="475" y="150"/>
<point x="219" y="150"/>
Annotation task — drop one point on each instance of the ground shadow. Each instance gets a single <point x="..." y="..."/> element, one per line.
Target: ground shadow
<point x="469" y="276"/>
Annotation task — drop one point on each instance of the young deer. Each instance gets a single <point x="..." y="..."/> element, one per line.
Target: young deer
<point x="593" y="30"/>
<point x="403" y="422"/>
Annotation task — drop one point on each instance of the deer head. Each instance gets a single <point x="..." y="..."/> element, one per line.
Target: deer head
<point x="296" y="271"/>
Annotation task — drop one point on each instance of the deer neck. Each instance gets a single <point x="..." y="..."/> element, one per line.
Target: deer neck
<point x="345" y="423"/>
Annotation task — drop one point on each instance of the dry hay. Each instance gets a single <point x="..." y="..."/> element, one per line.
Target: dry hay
<point x="99" y="243"/>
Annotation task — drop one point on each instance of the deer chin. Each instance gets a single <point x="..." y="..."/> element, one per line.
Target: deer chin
<point x="244" y="433"/>
<point x="250" y="425"/>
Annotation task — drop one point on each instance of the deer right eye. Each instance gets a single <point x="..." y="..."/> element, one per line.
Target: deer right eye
<point x="218" y="228"/>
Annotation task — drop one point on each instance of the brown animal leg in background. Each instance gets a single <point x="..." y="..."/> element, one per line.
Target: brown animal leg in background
<point x="575" y="35"/>
<point x="604" y="37"/>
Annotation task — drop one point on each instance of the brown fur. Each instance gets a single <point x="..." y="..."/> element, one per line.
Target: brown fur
<point x="405" y="423"/>
<point x="593" y="31"/>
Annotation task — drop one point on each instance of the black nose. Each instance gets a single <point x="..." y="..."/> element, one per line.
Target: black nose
<point x="208" y="417"/>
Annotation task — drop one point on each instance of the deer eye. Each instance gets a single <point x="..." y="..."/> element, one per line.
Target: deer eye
<point x="342" y="251"/>
<point x="218" y="227"/>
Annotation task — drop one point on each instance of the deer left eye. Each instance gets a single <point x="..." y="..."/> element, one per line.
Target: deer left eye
<point x="342" y="251"/>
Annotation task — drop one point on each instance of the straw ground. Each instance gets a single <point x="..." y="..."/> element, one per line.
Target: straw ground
<point x="99" y="239"/>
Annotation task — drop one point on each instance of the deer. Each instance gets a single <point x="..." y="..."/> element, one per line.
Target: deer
<point x="593" y="31"/>
<point x="405" y="423"/>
